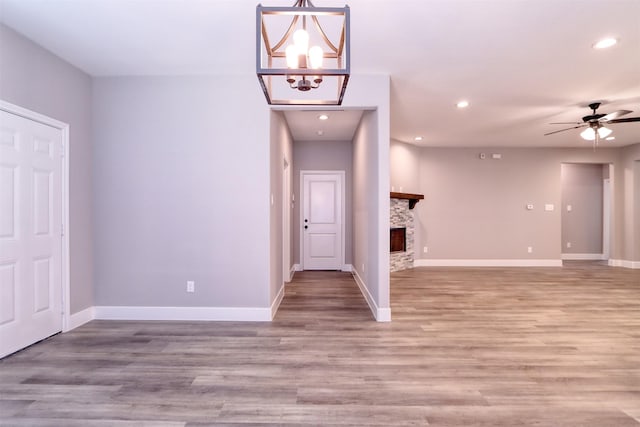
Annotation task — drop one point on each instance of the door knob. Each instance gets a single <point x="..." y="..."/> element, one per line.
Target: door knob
<point x="306" y="226"/>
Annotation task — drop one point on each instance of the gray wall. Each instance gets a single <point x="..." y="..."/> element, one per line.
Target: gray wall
<point x="281" y="151"/>
<point x="636" y="212"/>
<point x="475" y="209"/>
<point x="33" y="78"/>
<point x="406" y="171"/>
<point x="582" y="187"/>
<point x="630" y="176"/>
<point x="181" y="191"/>
<point x="365" y="215"/>
<point x="324" y="155"/>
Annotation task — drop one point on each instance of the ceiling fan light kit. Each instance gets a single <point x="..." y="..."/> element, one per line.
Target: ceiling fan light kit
<point x="594" y="124"/>
<point x="309" y="63"/>
<point x="589" y="133"/>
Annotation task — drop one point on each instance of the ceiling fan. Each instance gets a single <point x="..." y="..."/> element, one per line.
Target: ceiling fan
<point x="594" y="123"/>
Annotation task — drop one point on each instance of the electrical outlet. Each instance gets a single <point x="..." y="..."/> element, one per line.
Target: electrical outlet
<point x="568" y="245"/>
<point x="425" y="249"/>
<point x="530" y="249"/>
<point x="191" y="286"/>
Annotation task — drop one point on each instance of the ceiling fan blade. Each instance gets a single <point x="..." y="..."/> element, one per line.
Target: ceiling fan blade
<point x="625" y="120"/>
<point x="614" y="115"/>
<point x="562" y="130"/>
<point x="566" y="123"/>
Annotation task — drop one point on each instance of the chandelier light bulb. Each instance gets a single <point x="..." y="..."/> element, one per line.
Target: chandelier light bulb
<point x="315" y="57"/>
<point x="292" y="56"/>
<point x="301" y="41"/>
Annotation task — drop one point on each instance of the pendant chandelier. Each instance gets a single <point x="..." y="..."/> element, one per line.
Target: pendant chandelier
<point x="309" y="62"/>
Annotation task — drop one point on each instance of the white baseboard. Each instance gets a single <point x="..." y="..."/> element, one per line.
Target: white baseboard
<point x="80" y="318"/>
<point x="241" y="314"/>
<point x="624" y="263"/>
<point x="583" y="257"/>
<point x="298" y="267"/>
<point x="381" y="314"/>
<point x="487" y="263"/>
<point x="276" y="302"/>
<point x="292" y="273"/>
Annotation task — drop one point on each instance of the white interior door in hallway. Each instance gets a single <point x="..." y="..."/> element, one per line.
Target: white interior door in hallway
<point x="322" y="220"/>
<point x="31" y="218"/>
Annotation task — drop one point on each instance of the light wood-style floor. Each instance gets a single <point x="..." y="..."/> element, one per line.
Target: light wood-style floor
<point x="467" y="347"/>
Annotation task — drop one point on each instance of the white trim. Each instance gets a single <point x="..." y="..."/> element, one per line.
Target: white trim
<point x="606" y="214"/>
<point x="286" y="221"/>
<point x="487" y="263"/>
<point x="380" y="314"/>
<point x="347" y="268"/>
<point x="291" y="273"/>
<point x="296" y="267"/>
<point x="248" y="314"/>
<point x="66" y="265"/>
<point x="624" y="263"/>
<point x="81" y="317"/>
<point x="276" y="302"/>
<point x="579" y="257"/>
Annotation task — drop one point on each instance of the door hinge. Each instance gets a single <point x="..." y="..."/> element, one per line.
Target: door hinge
<point x="62" y="230"/>
<point x="62" y="151"/>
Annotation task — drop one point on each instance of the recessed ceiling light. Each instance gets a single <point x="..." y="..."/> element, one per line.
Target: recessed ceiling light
<point x="462" y="104"/>
<point x="417" y="138"/>
<point x="610" y="138"/>
<point x="605" y="43"/>
<point x="323" y="117"/>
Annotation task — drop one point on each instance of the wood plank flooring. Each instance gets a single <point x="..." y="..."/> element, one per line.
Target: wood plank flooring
<point x="467" y="347"/>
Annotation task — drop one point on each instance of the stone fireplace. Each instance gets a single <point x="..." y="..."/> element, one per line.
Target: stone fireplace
<point x="402" y="230"/>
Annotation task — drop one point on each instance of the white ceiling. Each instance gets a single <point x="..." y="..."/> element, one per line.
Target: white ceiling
<point x="520" y="63"/>
<point x="305" y="125"/>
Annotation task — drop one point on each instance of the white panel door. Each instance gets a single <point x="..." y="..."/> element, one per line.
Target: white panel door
<point x="322" y="221"/>
<point x="30" y="232"/>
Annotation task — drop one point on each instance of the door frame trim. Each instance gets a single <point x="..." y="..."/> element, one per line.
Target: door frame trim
<point x="286" y="221"/>
<point x="606" y="214"/>
<point x="342" y="174"/>
<point x="64" y="155"/>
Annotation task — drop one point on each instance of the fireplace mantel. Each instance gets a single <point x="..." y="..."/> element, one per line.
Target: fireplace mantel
<point x="413" y="198"/>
